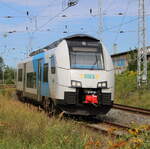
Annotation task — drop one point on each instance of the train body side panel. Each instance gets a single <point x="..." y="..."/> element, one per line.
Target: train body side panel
<point x="29" y="69"/>
<point x="19" y="84"/>
<point x="110" y="70"/>
<point x="38" y="63"/>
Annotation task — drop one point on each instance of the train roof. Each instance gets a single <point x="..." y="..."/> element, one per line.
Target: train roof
<point x="55" y="44"/>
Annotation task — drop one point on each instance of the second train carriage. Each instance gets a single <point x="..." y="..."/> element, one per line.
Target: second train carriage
<point x="74" y="74"/>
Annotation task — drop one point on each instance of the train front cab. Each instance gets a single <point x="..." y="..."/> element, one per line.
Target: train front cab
<point x="87" y="77"/>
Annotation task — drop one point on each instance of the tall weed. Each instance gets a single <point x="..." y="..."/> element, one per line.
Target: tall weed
<point x="128" y="93"/>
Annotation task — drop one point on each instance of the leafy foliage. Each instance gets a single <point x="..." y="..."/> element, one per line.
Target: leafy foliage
<point x="125" y="84"/>
<point x="132" y="61"/>
<point x="1" y="67"/>
<point x="127" y="92"/>
<point x="7" y="73"/>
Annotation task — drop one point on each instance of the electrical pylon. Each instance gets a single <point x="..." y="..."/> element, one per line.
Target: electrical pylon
<point x="142" y="50"/>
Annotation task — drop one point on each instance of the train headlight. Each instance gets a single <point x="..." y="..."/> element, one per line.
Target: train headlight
<point x="76" y="83"/>
<point x="102" y="84"/>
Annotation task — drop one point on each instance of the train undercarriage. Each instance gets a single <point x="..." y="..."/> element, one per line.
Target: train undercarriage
<point x="82" y="102"/>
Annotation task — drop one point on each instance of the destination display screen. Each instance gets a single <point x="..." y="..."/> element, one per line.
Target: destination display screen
<point x="84" y="49"/>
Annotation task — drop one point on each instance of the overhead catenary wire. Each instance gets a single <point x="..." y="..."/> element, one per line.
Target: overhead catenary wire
<point x="64" y="16"/>
<point x="51" y="30"/>
<point x="30" y="33"/>
<point x="70" y="4"/>
<point x="121" y="24"/>
<point x="38" y="29"/>
<point x="117" y="26"/>
<point x="51" y="19"/>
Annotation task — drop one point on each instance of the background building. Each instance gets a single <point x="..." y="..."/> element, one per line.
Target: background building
<point x="121" y="60"/>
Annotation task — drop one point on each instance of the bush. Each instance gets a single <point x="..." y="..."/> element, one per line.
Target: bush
<point x="127" y="92"/>
<point x="125" y="84"/>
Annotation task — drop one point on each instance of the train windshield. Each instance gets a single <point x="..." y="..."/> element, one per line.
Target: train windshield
<point x="86" y="58"/>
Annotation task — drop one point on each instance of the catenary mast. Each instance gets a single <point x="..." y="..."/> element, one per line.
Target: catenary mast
<point x="142" y="50"/>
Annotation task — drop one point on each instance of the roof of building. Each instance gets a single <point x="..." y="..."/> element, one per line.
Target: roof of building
<point x="128" y="52"/>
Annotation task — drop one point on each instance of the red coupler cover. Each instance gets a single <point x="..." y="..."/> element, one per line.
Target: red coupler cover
<point x="91" y="99"/>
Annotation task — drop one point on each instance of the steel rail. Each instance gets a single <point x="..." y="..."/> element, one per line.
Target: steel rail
<point x="2" y="86"/>
<point x="132" y="109"/>
<point x="109" y="128"/>
<point x="114" y="129"/>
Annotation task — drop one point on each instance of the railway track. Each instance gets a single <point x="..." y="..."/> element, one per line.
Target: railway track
<point x="107" y="127"/>
<point x="110" y="128"/>
<point x="132" y="109"/>
<point x="3" y="86"/>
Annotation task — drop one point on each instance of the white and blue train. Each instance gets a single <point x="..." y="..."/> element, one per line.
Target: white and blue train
<point x="74" y="74"/>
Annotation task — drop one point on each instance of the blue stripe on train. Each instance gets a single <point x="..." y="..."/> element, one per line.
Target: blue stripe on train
<point x="45" y="90"/>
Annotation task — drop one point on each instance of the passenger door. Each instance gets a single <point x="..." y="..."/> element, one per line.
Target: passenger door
<point x="40" y="63"/>
<point x="52" y="76"/>
<point x="24" y="77"/>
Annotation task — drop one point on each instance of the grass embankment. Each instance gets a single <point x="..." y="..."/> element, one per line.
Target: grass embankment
<point x="127" y="93"/>
<point x="24" y="127"/>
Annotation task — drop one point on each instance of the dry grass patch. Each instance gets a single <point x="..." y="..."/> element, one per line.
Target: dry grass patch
<point x="24" y="127"/>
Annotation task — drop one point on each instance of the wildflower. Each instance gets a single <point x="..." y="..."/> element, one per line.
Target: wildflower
<point x="98" y="143"/>
<point x="66" y="139"/>
<point x="132" y="122"/>
<point x="110" y="143"/>
<point x="118" y="144"/>
<point x="111" y="130"/>
<point x="90" y="143"/>
<point x="145" y="127"/>
<point x="137" y="142"/>
<point x="134" y="131"/>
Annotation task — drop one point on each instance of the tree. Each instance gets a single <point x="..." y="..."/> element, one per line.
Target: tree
<point x="132" y="61"/>
<point x="9" y="75"/>
<point x="1" y="68"/>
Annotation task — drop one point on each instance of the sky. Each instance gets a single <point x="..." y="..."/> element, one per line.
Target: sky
<point x="27" y="25"/>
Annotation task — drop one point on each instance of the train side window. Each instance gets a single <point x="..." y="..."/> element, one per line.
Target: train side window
<point x="20" y="75"/>
<point x="45" y="74"/>
<point x="53" y="65"/>
<point x="31" y="80"/>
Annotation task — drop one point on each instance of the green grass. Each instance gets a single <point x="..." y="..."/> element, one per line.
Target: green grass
<point x="127" y="93"/>
<point x="22" y="126"/>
